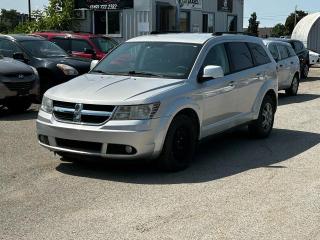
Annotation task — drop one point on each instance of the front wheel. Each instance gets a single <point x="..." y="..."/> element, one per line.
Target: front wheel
<point x="180" y="144"/>
<point x="262" y="127"/>
<point x="293" y="90"/>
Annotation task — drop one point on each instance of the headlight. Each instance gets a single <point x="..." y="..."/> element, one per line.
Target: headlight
<point x="137" y="112"/>
<point x="35" y="71"/>
<point x="47" y="105"/>
<point x="67" y="70"/>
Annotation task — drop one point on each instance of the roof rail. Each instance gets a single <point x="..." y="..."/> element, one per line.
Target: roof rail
<point x="233" y="33"/>
<point x="164" y="32"/>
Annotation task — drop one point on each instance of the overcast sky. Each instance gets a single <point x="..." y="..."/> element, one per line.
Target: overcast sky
<point x="269" y="12"/>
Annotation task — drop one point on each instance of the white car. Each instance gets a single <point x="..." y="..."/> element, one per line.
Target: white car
<point x="288" y="65"/>
<point x="156" y="96"/>
<point x="314" y="57"/>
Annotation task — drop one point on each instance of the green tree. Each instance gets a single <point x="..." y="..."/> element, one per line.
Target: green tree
<point x="253" y="28"/>
<point x="290" y="22"/>
<point x="10" y="17"/>
<point x="279" y="30"/>
<point x="57" y="16"/>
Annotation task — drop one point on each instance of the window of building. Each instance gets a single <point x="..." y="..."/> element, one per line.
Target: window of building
<point x="78" y="45"/>
<point x="208" y="22"/>
<point x="259" y="54"/>
<point x="232" y="23"/>
<point x="218" y="56"/>
<point x="185" y="21"/>
<point x="114" y="23"/>
<point x="240" y="56"/>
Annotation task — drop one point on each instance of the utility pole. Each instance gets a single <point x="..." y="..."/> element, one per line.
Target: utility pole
<point x="29" y="3"/>
<point x="295" y="16"/>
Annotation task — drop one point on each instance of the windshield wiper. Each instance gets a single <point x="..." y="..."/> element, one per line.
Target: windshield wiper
<point x="144" y="74"/>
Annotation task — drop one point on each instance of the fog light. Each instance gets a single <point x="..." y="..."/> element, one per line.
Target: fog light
<point x="44" y="139"/>
<point x="128" y="149"/>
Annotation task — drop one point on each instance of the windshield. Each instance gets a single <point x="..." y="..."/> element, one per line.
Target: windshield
<point x="43" y="49"/>
<point x="104" y="44"/>
<point x="154" y="59"/>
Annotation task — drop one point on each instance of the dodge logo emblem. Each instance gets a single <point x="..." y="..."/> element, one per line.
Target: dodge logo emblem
<point x="77" y="112"/>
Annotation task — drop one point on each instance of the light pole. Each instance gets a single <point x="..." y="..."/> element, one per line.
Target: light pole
<point x="29" y="3"/>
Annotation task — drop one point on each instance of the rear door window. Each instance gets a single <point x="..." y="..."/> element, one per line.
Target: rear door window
<point x="78" y="45"/>
<point x="283" y="51"/>
<point x="274" y="51"/>
<point x="291" y="52"/>
<point x="298" y="46"/>
<point x="240" y="56"/>
<point x="259" y="54"/>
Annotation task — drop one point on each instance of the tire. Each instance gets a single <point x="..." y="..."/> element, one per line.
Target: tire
<point x="293" y="90"/>
<point x="262" y="127"/>
<point x="18" y="105"/>
<point x="180" y="144"/>
<point x="305" y="71"/>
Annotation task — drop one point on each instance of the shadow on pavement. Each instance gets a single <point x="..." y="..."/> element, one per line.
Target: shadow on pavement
<point x="310" y="79"/>
<point x="300" y="98"/>
<point x="222" y="156"/>
<point x="5" y="115"/>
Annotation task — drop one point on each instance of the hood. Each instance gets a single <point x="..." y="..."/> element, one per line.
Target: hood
<point x="110" y="89"/>
<point x="81" y="64"/>
<point x="10" y="66"/>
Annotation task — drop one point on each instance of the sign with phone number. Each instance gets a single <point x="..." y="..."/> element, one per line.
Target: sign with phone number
<point x="104" y="7"/>
<point x="105" y="4"/>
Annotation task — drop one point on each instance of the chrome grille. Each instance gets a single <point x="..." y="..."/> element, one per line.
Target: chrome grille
<point x="19" y="86"/>
<point x="82" y="113"/>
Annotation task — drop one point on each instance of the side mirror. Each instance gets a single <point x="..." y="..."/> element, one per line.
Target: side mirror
<point x="19" y="56"/>
<point x="89" y="51"/>
<point x="211" y="72"/>
<point x="93" y="64"/>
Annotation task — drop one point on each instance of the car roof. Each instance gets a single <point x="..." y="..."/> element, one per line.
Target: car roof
<point x="193" y="38"/>
<point x="22" y="37"/>
<point x="284" y="40"/>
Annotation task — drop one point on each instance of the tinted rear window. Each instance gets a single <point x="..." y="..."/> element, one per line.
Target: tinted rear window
<point x="240" y="56"/>
<point x="259" y="54"/>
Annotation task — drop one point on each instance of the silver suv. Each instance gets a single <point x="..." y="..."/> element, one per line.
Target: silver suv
<point x="156" y="96"/>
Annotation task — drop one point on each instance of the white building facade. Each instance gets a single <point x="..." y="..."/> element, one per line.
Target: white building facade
<point x="124" y="19"/>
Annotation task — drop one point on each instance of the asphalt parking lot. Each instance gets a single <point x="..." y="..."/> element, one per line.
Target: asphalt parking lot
<point x="238" y="188"/>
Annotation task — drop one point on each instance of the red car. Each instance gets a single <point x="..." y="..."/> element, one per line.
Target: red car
<point x="81" y="44"/>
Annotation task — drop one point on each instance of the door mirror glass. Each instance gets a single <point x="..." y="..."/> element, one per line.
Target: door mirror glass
<point x="94" y="63"/>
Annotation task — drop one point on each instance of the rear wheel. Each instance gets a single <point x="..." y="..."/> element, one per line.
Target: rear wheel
<point x="180" y="144"/>
<point x="293" y="90"/>
<point x="262" y="127"/>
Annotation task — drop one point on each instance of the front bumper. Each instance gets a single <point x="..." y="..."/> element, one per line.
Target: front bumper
<point x="6" y="93"/>
<point x="146" y="136"/>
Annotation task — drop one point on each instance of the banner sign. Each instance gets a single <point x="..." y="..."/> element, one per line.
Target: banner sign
<point x="190" y="4"/>
<point x="103" y="4"/>
<point x="225" y="5"/>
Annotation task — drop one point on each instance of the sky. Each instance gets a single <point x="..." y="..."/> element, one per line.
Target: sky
<point x="269" y="12"/>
